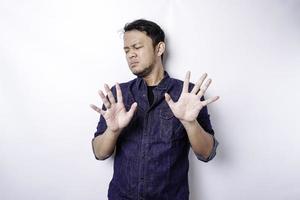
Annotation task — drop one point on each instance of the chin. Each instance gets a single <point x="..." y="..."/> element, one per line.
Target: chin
<point x="141" y="73"/>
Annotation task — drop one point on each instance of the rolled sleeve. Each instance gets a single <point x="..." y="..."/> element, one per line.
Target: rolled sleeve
<point x="94" y="150"/>
<point x="212" y="153"/>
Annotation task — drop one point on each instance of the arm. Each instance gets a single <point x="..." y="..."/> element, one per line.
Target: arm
<point x="202" y="142"/>
<point x="186" y="109"/>
<point x="104" y="144"/>
<point x="116" y="118"/>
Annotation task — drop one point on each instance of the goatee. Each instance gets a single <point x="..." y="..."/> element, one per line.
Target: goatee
<point x="144" y="73"/>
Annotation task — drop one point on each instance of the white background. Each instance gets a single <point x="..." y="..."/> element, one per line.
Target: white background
<point x="55" y="55"/>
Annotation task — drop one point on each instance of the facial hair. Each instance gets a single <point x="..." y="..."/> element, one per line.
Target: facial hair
<point x="145" y="72"/>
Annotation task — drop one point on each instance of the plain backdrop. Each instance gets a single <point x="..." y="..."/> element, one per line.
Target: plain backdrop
<point x="55" y="55"/>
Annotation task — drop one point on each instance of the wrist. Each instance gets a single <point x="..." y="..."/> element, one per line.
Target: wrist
<point x="116" y="132"/>
<point x="188" y="124"/>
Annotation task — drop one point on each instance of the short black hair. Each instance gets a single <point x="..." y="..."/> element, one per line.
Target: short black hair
<point x="151" y="29"/>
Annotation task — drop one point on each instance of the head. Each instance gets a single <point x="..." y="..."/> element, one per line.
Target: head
<point x="144" y="46"/>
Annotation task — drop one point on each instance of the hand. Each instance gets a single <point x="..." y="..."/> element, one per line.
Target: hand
<point x="188" y="106"/>
<point x="116" y="116"/>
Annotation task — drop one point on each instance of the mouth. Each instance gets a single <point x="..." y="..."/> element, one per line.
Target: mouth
<point x="132" y="64"/>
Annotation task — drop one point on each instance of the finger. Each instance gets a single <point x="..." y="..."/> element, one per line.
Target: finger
<point x="199" y="83"/>
<point x="210" y="100"/>
<point x="204" y="88"/>
<point x="186" y="82"/>
<point x="119" y="93"/>
<point x="95" y="108"/>
<point x="132" y="109"/>
<point x="109" y="94"/>
<point x="169" y="100"/>
<point x="102" y="112"/>
<point x="104" y="99"/>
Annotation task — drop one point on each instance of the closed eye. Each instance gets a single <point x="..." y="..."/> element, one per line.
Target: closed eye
<point x="138" y="47"/>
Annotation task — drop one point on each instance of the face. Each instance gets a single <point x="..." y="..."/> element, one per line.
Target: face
<point x="140" y="54"/>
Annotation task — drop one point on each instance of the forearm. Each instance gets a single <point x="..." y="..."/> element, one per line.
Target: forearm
<point x="201" y="141"/>
<point x="104" y="144"/>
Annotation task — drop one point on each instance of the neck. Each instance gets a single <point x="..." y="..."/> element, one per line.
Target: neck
<point x="155" y="76"/>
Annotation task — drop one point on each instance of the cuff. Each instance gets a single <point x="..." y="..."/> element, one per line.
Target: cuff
<point x="212" y="153"/>
<point x="94" y="150"/>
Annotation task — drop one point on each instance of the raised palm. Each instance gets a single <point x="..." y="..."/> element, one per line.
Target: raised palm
<point x="116" y="116"/>
<point x="188" y="106"/>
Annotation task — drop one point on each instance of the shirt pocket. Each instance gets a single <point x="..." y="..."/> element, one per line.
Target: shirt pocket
<point x="170" y="127"/>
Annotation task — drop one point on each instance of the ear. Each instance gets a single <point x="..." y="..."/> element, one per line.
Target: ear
<point x="160" y="48"/>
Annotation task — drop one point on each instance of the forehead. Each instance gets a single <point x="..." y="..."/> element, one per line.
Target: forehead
<point x="134" y="37"/>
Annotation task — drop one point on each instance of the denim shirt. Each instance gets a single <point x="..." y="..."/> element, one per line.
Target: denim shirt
<point x="151" y="156"/>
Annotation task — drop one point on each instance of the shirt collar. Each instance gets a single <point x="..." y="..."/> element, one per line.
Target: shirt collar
<point x="162" y="85"/>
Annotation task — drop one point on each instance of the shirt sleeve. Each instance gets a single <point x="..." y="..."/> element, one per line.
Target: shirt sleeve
<point x="204" y="121"/>
<point x="101" y="127"/>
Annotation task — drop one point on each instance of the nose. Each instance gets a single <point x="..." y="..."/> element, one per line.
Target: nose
<point x="131" y="54"/>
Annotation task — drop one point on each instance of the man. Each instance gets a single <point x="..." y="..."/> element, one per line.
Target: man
<point x="151" y="122"/>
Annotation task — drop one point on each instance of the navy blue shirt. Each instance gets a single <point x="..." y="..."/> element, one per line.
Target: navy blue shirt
<point x="151" y="159"/>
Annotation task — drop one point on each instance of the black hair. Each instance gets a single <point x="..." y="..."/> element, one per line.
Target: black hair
<point x="151" y="29"/>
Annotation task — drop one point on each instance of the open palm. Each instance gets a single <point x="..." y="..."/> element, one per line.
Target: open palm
<point x="189" y="104"/>
<point x="116" y="116"/>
